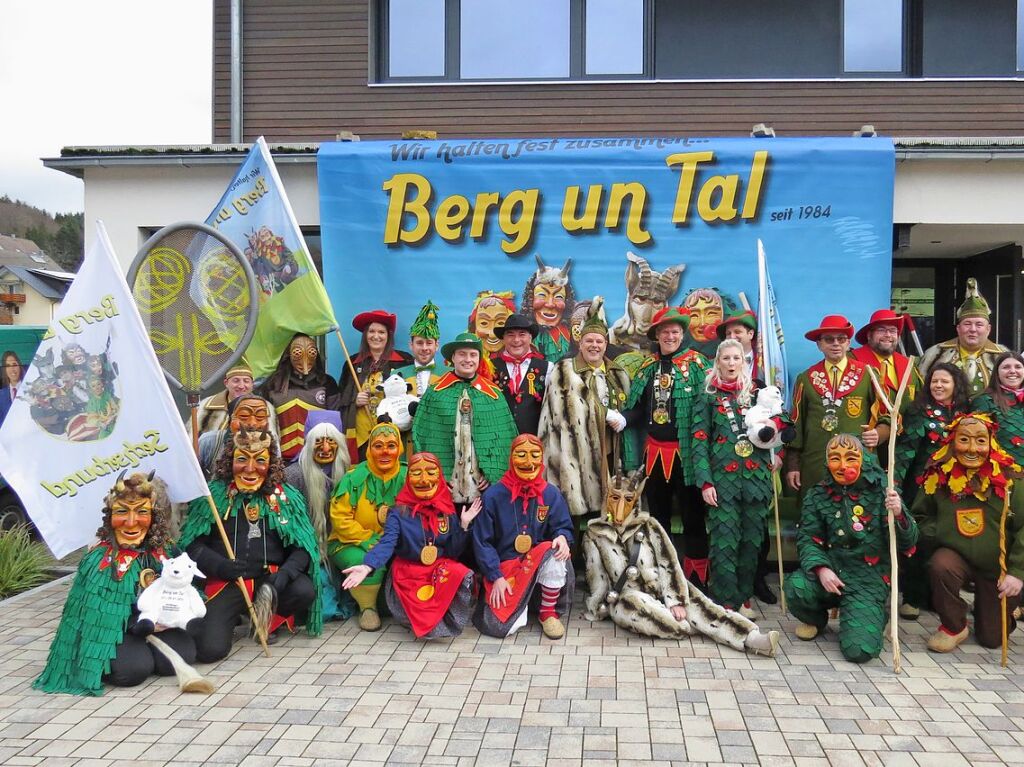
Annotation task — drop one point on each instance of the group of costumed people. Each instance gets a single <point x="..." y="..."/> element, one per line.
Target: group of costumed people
<point x="463" y="487"/>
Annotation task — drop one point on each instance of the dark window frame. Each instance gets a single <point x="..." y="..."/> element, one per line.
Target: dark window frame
<point x="577" y="49"/>
<point x="907" y="48"/>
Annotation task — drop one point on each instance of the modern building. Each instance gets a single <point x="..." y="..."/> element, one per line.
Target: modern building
<point x="942" y="77"/>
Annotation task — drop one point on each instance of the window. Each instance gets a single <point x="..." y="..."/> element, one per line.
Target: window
<point x="972" y="39"/>
<point x="501" y="40"/>
<point x="614" y="33"/>
<point x="439" y="40"/>
<point x="416" y="35"/>
<point x="873" y="36"/>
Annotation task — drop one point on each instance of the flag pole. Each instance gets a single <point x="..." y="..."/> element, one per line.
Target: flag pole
<point x="260" y="635"/>
<point x="775" y="484"/>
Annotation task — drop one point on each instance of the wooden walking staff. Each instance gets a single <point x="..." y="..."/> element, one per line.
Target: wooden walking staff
<point x="1002" y="573"/>
<point x="260" y="633"/>
<point x="894" y="569"/>
<point x="775" y="489"/>
<point x="352" y="369"/>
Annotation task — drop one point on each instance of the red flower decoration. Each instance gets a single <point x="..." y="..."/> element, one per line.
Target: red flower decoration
<point x="752" y="464"/>
<point x="732" y="466"/>
<point x="700" y="434"/>
<point x="721" y="440"/>
<point x="1016" y="441"/>
<point x="721" y="409"/>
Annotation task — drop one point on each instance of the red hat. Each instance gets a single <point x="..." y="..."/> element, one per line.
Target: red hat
<point x="362" y="321"/>
<point x="832" y="323"/>
<point x="881" y="317"/>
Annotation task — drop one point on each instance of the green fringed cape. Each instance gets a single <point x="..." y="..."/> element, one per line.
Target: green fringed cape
<point x="378" y="491"/>
<point x="289" y="520"/>
<point x="688" y="382"/>
<point x="433" y="428"/>
<point x="95" y="618"/>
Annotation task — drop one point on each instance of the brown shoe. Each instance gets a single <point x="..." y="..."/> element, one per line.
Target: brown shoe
<point x="553" y="628"/>
<point x="806" y="631"/>
<point x="763" y="644"/>
<point x="369" y="620"/>
<point x="941" y="641"/>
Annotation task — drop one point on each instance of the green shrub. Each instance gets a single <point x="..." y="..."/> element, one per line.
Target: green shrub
<point x="24" y="563"/>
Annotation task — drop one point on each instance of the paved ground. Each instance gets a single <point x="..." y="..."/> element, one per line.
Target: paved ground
<point x="600" y="695"/>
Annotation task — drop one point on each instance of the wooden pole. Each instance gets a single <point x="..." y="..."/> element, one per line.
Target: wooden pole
<point x="260" y="635"/>
<point x="894" y="569"/>
<point x="1002" y="573"/>
<point x="352" y="372"/>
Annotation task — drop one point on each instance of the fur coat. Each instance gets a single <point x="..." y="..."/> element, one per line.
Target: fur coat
<point x="644" y="604"/>
<point x="573" y="430"/>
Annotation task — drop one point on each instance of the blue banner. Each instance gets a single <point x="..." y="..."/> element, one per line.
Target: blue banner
<point x="407" y="221"/>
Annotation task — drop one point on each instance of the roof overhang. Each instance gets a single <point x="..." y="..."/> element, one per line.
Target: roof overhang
<point x="75" y="160"/>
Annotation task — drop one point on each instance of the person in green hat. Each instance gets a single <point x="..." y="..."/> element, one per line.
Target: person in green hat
<point x="660" y="404"/>
<point x="464" y="420"/>
<point x="589" y="392"/>
<point x="424" y="336"/>
<point x="971" y="350"/>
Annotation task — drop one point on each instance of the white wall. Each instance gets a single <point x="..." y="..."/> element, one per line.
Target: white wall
<point x="130" y="197"/>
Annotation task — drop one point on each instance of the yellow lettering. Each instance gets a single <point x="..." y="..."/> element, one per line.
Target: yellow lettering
<point x="484" y="202"/>
<point x="689" y="161"/>
<point x="450" y="214"/>
<point x="753" y="196"/>
<point x="398" y="187"/>
<point x="637" y="196"/>
<point x="518" y="224"/>
<point x="725" y="208"/>
<point x="571" y="220"/>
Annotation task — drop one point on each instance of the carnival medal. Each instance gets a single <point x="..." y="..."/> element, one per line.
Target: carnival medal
<point x="425" y="593"/>
<point x="252" y="514"/>
<point x="662" y="393"/>
<point x="428" y="554"/>
<point x="523" y="543"/>
<point x="830" y="421"/>
<point x="744" y="448"/>
<point x="660" y="416"/>
<point x="382" y="514"/>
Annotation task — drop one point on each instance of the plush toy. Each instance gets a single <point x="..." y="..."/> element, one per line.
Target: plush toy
<point x="171" y="601"/>
<point x="765" y="428"/>
<point x="396" y="401"/>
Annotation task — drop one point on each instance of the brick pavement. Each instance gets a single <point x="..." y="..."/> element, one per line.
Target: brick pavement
<point x="600" y="696"/>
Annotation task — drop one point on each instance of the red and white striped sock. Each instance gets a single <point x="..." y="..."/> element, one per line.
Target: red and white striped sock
<point x="548" y="600"/>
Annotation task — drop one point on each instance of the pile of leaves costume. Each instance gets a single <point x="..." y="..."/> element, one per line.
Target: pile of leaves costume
<point x="94" y="642"/>
<point x="843" y="528"/>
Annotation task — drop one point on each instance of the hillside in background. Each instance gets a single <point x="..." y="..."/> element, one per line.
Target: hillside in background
<point x="60" y="236"/>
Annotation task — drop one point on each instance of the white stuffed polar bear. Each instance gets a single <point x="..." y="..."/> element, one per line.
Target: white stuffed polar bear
<point x="171" y="601"/>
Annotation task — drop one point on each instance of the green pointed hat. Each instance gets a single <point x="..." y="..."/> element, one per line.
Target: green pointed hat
<point x="743" y="317"/>
<point x="425" y="324"/>
<point x="974" y="304"/>
<point x="595" y="322"/>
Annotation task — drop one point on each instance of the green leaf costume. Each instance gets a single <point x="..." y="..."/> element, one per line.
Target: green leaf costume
<point x="94" y="621"/>
<point x="433" y="428"/>
<point x="828" y="537"/>
<point x="686" y="386"/>
<point x="289" y="520"/>
<point x="736" y="526"/>
<point x="1011" y="424"/>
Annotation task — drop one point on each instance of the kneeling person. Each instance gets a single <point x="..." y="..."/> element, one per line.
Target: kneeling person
<point x="635" y="578"/>
<point x="274" y="544"/>
<point x="427" y="588"/>
<point x="843" y="543"/>
<point x="521" y="540"/>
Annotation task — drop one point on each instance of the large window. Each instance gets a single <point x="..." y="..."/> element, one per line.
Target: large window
<point x="438" y="40"/>
<point x="514" y="40"/>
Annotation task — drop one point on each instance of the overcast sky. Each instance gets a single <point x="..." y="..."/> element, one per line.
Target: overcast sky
<point x="104" y="72"/>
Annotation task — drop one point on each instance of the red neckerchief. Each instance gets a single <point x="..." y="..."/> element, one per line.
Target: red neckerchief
<point x="525" y="489"/>
<point x="1016" y="393"/>
<point x="516" y="379"/>
<point x="429" y="510"/>
<point x="718" y="383"/>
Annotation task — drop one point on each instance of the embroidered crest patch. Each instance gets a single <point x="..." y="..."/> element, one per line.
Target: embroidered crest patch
<point x="854" y="406"/>
<point x="970" y="522"/>
<point x="542" y="513"/>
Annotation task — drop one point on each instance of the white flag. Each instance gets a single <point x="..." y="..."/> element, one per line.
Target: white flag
<point x="771" y="341"/>
<point x="93" y="403"/>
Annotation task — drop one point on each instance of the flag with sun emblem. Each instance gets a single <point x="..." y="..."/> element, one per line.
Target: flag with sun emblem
<point x="93" y="403"/>
<point x="255" y="215"/>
